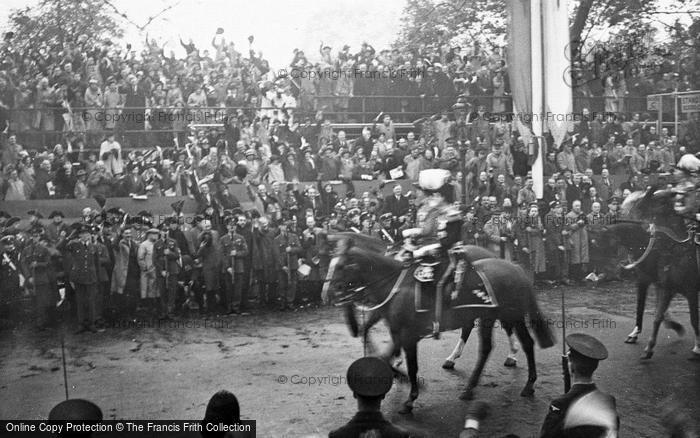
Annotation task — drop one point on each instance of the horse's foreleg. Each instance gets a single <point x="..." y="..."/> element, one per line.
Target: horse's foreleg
<point x="393" y="354"/>
<point x="485" y="346"/>
<point x="663" y="301"/>
<point x="693" y="307"/>
<point x="410" y="347"/>
<point x="512" y="359"/>
<point x="367" y="325"/>
<point x="529" y="349"/>
<point x="449" y="363"/>
<point x="642" y="290"/>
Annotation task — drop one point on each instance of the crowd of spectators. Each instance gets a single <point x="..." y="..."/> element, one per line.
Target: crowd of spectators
<point x="284" y="212"/>
<point x="85" y="86"/>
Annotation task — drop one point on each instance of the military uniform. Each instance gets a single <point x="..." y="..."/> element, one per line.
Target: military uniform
<point x="234" y="280"/>
<point x="289" y="262"/>
<point x="584" y="411"/>
<point x="11" y="276"/>
<point x="439" y="223"/>
<point x="83" y="277"/>
<point x="168" y="265"/>
<point x="36" y="263"/>
<point x="369" y="377"/>
<point x="366" y="421"/>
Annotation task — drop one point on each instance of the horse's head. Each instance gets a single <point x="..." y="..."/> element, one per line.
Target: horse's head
<point x="356" y="263"/>
<point x="341" y="270"/>
<point x="654" y="205"/>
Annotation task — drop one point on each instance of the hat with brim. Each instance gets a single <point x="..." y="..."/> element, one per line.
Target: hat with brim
<point x="370" y="377"/>
<point x="250" y="152"/>
<point x="587" y="346"/>
<point x="56" y="213"/>
<point x="152" y="231"/>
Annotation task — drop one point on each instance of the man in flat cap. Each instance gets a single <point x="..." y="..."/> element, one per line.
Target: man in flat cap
<point x="369" y="378"/>
<point x="584" y="411"/>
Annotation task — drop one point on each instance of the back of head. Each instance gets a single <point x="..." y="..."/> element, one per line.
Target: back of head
<point x="76" y="410"/>
<point x="222" y="408"/>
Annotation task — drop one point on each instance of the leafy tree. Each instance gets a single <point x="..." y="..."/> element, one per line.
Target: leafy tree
<point x="483" y="23"/>
<point x="59" y="22"/>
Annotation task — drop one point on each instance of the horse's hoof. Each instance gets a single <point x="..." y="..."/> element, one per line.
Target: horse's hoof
<point x="647" y="355"/>
<point x="467" y="394"/>
<point x="448" y="365"/>
<point x="527" y="392"/>
<point x="510" y="362"/>
<point x="631" y="340"/>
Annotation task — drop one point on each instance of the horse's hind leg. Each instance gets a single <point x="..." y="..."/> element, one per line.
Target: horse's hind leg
<point x="485" y="346"/>
<point x="512" y="359"/>
<point x="410" y="347"/>
<point x="449" y="363"/>
<point x="642" y="290"/>
<point x="663" y="301"/>
<point x="528" y="347"/>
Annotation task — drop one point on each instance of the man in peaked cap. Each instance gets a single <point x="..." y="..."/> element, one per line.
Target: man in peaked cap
<point x="584" y="411"/>
<point x="83" y="275"/>
<point x="369" y="378"/>
<point x="76" y="410"/>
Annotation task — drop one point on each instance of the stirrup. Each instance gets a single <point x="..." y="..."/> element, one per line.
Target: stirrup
<point x="436" y="330"/>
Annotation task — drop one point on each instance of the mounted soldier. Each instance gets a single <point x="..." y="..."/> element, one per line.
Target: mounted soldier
<point x="687" y="177"/>
<point x="439" y="228"/>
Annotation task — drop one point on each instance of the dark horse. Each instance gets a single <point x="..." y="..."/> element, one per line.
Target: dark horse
<point x="670" y="260"/>
<point x="386" y="281"/>
<point x="644" y="258"/>
<point x="380" y="247"/>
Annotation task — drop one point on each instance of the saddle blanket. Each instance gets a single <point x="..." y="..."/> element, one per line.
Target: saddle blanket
<point x="467" y="286"/>
<point x="472" y="288"/>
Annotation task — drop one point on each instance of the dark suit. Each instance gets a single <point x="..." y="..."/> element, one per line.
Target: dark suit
<point x="397" y="207"/>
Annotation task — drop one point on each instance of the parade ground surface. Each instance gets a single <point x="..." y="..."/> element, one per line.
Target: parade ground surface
<point x="288" y="369"/>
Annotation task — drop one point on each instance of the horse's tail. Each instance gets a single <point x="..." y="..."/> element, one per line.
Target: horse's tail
<point x="540" y="326"/>
<point x="351" y="319"/>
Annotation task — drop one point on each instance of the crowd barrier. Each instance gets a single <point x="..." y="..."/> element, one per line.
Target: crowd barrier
<point x="160" y="206"/>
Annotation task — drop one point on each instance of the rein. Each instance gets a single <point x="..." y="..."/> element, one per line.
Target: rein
<point x="391" y="295"/>
<point x="360" y="293"/>
<point x="668" y="232"/>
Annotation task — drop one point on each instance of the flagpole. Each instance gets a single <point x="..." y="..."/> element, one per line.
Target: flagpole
<point x="537" y="94"/>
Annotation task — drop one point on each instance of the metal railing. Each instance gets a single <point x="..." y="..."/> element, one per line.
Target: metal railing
<point x="159" y="125"/>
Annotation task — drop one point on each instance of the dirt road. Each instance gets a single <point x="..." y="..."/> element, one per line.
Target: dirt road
<point x="288" y="369"/>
